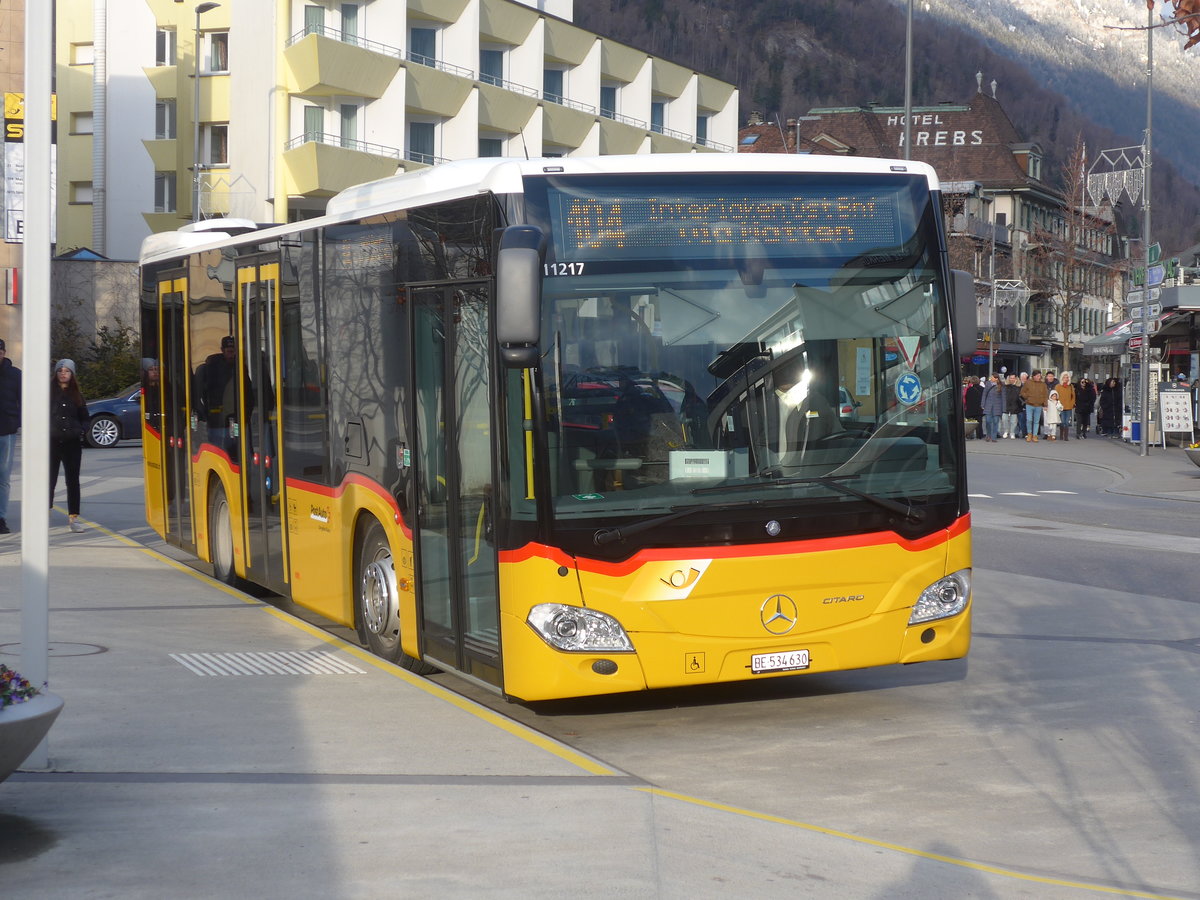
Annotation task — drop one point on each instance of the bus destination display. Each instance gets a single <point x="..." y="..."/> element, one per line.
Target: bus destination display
<point x="599" y="226"/>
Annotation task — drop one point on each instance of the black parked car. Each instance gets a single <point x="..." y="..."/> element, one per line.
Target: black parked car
<point x="115" y="418"/>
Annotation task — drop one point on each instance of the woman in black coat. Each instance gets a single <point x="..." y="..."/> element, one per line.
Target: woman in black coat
<point x="973" y="406"/>
<point x="1111" y="408"/>
<point x="68" y="420"/>
<point x="1085" y="405"/>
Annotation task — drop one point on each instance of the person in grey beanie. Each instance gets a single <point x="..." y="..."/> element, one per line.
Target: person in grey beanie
<point x="68" y="421"/>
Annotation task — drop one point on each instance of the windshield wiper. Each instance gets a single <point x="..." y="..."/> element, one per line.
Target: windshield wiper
<point x="910" y="512"/>
<point x="612" y="535"/>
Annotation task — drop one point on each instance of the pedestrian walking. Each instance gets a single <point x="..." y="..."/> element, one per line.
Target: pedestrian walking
<point x="1034" y="394"/>
<point x="1022" y="429"/>
<point x="992" y="405"/>
<point x="1066" y="397"/>
<point x="1085" y="405"/>
<point x="973" y="407"/>
<point x="1054" y="412"/>
<point x="1111" y="407"/>
<point x="68" y="421"/>
<point x="1012" y="408"/>
<point x="10" y="422"/>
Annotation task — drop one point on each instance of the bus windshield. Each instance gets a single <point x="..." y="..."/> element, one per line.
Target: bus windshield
<point x="716" y="339"/>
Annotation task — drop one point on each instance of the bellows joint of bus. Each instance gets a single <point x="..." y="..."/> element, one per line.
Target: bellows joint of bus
<point x="519" y="294"/>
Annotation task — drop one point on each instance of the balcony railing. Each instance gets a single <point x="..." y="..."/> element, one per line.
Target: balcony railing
<point x="569" y="104"/>
<point x="427" y="159"/>
<point x="332" y="34"/>
<point x="509" y="85"/>
<point x="432" y="62"/>
<point x="667" y="132"/>
<point x="714" y="145"/>
<point x="624" y="120"/>
<point x="336" y="140"/>
<point x="980" y="228"/>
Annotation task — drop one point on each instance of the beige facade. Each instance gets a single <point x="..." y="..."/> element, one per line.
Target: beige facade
<point x="296" y="100"/>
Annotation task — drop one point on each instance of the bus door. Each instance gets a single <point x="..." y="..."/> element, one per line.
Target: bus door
<point x="455" y="551"/>
<point x="172" y="417"/>
<point x="257" y="443"/>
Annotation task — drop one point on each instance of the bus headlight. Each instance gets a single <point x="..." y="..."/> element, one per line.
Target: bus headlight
<point x="578" y="629"/>
<point x="944" y="598"/>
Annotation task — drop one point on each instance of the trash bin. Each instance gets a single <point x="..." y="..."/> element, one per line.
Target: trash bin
<point x="1127" y="426"/>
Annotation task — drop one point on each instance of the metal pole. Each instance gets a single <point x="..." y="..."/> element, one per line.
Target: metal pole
<point x="1145" y="348"/>
<point x="35" y="386"/>
<point x="908" y="84"/>
<point x="992" y="314"/>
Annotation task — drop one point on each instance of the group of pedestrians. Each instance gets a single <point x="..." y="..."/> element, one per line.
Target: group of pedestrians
<point x="68" y="423"/>
<point x="1036" y="405"/>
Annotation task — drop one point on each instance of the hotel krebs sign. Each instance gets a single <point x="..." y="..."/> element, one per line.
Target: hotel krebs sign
<point x="939" y="136"/>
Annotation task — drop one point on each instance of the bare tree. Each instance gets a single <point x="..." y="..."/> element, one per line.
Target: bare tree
<point x="1068" y="262"/>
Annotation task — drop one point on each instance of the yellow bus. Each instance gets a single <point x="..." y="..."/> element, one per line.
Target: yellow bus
<point x="576" y="426"/>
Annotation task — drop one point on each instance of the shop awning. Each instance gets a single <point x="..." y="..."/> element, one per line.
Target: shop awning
<point x="1114" y="341"/>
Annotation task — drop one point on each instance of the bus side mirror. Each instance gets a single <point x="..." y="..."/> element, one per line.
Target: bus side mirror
<point x="519" y="295"/>
<point x="965" y="310"/>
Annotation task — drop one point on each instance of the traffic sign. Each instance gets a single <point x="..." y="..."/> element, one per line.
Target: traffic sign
<point x="1155" y="275"/>
<point x="1139" y="295"/>
<point x="1153" y="311"/>
<point x="1134" y="344"/>
<point x="1137" y="326"/>
<point x="1155" y="253"/>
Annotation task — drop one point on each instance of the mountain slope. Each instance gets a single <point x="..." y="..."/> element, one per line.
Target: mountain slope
<point x="788" y="56"/>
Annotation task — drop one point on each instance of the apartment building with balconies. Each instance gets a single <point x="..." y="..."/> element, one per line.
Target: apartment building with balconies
<point x="264" y="109"/>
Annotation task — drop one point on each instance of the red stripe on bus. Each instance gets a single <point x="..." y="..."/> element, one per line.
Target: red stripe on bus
<point x="362" y="481"/>
<point x="849" y="542"/>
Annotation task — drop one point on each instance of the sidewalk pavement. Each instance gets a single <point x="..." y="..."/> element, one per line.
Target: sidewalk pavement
<point x="1168" y="474"/>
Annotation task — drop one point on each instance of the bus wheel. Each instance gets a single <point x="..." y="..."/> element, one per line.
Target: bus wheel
<point x="220" y="537"/>
<point x="377" y="599"/>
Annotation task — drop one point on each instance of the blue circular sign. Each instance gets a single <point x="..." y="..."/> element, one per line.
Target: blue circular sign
<point x="908" y="389"/>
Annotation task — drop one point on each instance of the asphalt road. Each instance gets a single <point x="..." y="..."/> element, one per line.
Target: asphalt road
<point x="1064" y="747"/>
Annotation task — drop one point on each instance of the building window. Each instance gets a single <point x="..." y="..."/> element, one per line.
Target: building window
<point x="164" y="120"/>
<point x="422" y="45"/>
<point x="608" y="100"/>
<point x="491" y="66"/>
<point x="552" y="85"/>
<point x="81" y="192"/>
<point x="491" y="146"/>
<point x="349" y="22"/>
<point x="701" y="129"/>
<point x="215" y="145"/>
<point x="314" y="123"/>
<point x="658" y="113"/>
<point x="82" y="54"/>
<point x="218" y="52"/>
<point x="82" y="123"/>
<point x="422" y="138"/>
<point x="164" y="192"/>
<point x="164" y="47"/>
<point x="349" y="116"/>
<point x="314" y="20"/>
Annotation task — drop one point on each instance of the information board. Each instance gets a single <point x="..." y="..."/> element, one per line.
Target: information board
<point x="1175" y="410"/>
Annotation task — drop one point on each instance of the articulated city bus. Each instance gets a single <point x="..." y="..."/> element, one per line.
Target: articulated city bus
<point x="571" y="426"/>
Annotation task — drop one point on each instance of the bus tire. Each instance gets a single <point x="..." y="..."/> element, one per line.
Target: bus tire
<point x="220" y="537"/>
<point x="377" y="599"/>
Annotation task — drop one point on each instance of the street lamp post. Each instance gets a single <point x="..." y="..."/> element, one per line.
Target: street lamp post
<point x="200" y="10"/>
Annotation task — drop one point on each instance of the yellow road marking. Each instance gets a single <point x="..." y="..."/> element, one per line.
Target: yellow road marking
<point x="900" y="848"/>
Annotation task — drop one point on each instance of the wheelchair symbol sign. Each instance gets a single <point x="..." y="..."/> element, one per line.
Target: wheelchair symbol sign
<point x="908" y="389"/>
